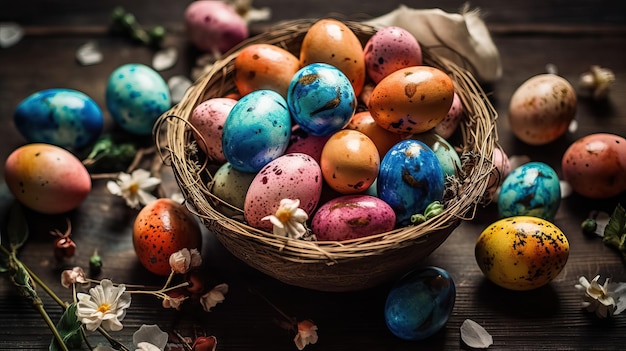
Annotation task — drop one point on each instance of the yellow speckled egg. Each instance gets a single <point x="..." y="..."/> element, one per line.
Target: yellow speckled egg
<point x="264" y="66"/>
<point x="47" y="178"/>
<point x="350" y="161"/>
<point x="412" y="100"/>
<point x="521" y="252"/>
<point x="331" y="41"/>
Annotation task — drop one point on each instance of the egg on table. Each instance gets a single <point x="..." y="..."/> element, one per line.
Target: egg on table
<point x="390" y="49"/>
<point x="208" y="120"/>
<point x="64" y="117"/>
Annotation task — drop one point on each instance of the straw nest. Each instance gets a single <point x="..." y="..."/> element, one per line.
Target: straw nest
<point x="330" y="266"/>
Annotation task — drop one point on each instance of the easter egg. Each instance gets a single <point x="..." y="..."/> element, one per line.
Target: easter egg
<point x="453" y="118"/>
<point x="214" y="26"/>
<point x="595" y="165"/>
<point x="412" y="100"/>
<point x="502" y="168"/>
<point x="420" y="303"/>
<point x="46" y="178"/>
<point x="63" y="117"/>
<point x="390" y="49"/>
<point x="532" y="189"/>
<point x="231" y="186"/>
<point x="162" y="228"/>
<point x="331" y="41"/>
<point x="208" y="120"/>
<point x="321" y="99"/>
<point x="410" y="178"/>
<point x="303" y="142"/>
<point x="446" y="154"/>
<point x="294" y="176"/>
<point x="257" y="130"/>
<point x="349" y="161"/>
<point x="521" y="252"/>
<point x="136" y="95"/>
<point x="351" y="217"/>
<point x="382" y="138"/>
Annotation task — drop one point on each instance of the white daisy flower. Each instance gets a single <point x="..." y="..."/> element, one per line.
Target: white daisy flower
<point x="105" y="305"/>
<point x="289" y="219"/>
<point x="135" y="188"/>
<point x="605" y="300"/>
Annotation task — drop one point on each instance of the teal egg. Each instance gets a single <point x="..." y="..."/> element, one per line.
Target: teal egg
<point x="62" y="117"/>
<point x="136" y="95"/>
<point x="445" y="152"/>
<point x="532" y="189"/>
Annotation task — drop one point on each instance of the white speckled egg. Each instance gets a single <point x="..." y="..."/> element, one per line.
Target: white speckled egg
<point x="231" y="186"/>
<point x="291" y="176"/>
<point x="208" y="118"/>
<point x="390" y="49"/>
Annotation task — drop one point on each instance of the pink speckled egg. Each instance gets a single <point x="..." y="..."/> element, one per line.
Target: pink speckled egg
<point x="450" y="123"/>
<point x="389" y="50"/>
<point x="208" y="120"/>
<point x="351" y="217"/>
<point x="302" y="142"/>
<point x="290" y="176"/>
<point x="502" y="169"/>
<point x="47" y="178"/>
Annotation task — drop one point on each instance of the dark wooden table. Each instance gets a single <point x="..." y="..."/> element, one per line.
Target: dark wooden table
<point x="572" y="35"/>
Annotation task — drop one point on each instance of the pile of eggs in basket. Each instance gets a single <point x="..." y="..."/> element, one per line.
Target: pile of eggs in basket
<point x="358" y="134"/>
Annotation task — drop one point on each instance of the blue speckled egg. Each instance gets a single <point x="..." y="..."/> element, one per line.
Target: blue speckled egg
<point x="447" y="155"/>
<point x="256" y="131"/>
<point x="136" y="95"/>
<point x="410" y="178"/>
<point x="420" y="303"/>
<point x="62" y="117"/>
<point x="321" y="99"/>
<point x="531" y="189"/>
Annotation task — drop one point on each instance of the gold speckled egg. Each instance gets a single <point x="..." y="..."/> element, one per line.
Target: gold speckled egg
<point x="349" y="162"/>
<point x="521" y="252"/>
<point x="331" y="41"/>
<point x="412" y="100"/>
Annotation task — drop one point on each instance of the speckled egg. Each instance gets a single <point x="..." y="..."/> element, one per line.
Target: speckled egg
<point x="321" y="99"/>
<point x="542" y="108"/>
<point x="412" y="100"/>
<point x="502" y="169"/>
<point x="595" y="165"/>
<point x="306" y="143"/>
<point x="446" y="154"/>
<point x="521" y="252"/>
<point x="420" y="303"/>
<point x="62" y="117"/>
<point x="257" y="130"/>
<point x="350" y="161"/>
<point x="532" y="189"/>
<point x="451" y="122"/>
<point x="264" y="66"/>
<point x="46" y="178"/>
<point x="136" y="95"/>
<point x="351" y="217"/>
<point x="208" y="120"/>
<point x="382" y="138"/>
<point x="291" y="176"/>
<point x="410" y="178"/>
<point x="390" y="49"/>
<point x="231" y="186"/>
<point x="331" y="41"/>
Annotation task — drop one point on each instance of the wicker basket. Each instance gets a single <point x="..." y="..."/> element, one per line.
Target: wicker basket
<point x="330" y="266"/>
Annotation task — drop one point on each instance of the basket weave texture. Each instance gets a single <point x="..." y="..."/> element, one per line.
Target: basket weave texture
<point x="330" y="266"/>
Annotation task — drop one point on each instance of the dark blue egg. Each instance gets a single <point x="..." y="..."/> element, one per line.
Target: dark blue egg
<point x="532" y="189"/>
<point x="409" y="179"/>
<point x="420" y="303"/>
<point x="61" y="117"/>
<point x="321" y="99"/>
<point x="136" y="95"/>
<point x="256" y="131"/>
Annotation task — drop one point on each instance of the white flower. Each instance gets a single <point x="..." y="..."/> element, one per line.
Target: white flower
<point x="183" y="260"/>
<point x="173" y="301"/>
<point x="605" y="300"/>
<point x="75" y="275"/>
<point x="289" y="219"/>
<point x="135" y="188"/>
<point x="105" y="305"/>
<point x="213" y="297"/>
<point x="307" y="334"/>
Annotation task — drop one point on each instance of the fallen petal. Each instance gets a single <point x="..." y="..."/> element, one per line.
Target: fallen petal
<point x="165" y="59"/>
<point x="566" y="189"/>
<point x="573" y="126"/>
<point x="89" y="54"/>
<point x="178" y="86"/>
<point x="474" y="335"/>
<point x="10" y="34"/>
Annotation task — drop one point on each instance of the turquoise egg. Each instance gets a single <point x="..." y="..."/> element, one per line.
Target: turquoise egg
<point x="321" y="99"/>
<point x="420" y="303"/>
<point x="62" y="117"/>
<point x="256" y="131"/>
<point x="446" y="154"/>
<point x="136" y="95"/>
<point x="531" y="189"/>
<point x="409" y="179"/>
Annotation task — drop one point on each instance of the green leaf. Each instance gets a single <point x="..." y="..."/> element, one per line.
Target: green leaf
<point x="615" y="228"/>
<point x="69" y="329"/>
<point x="17" y="228"/>
<point x="22" y="279"/>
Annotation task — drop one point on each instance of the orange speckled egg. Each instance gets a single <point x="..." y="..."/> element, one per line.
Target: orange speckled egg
<point x="412" y="100"/>
<point x="382" y="138"/>
<point x="350" y="161"/>
<point x="331" y="41"/>
<point x="264" y="66"/>
<point x="47" y="178"/>
<point x="162" y="228"/>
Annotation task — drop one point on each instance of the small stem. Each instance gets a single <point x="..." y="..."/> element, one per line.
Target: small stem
<point x="45" y="287"/>
<point x="105" y="176"/>
<point x="116" y="344"/>
<point x="53" y="328"/>
<point x="283" y="314"/>
<point x="169" y="280"/>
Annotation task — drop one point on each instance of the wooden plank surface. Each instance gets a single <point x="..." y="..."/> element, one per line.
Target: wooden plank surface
<point x="569" y="34"/>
